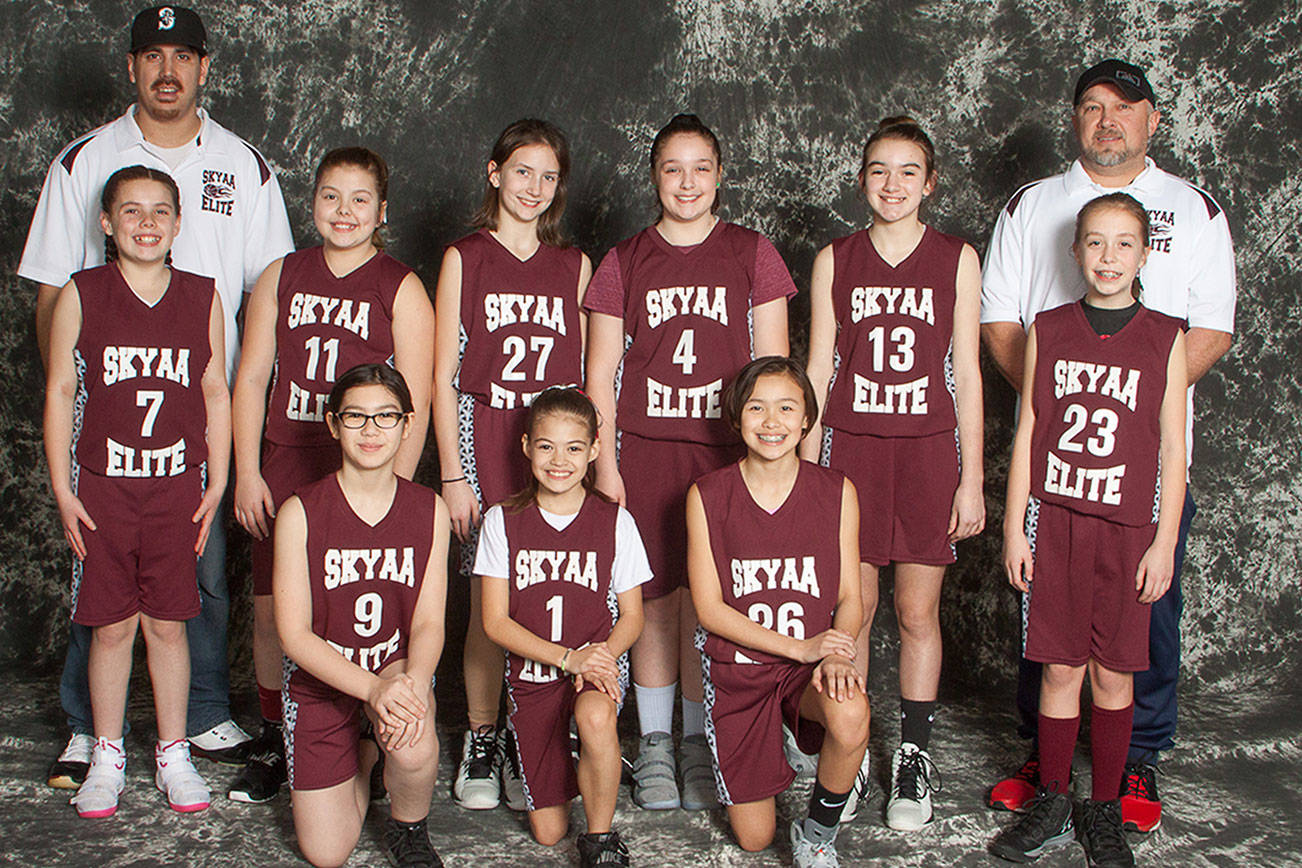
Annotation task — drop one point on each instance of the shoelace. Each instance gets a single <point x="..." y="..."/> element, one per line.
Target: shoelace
<point x="1030" y="771"/>
<point x="1104" y="830"/>
<point x="613" y="853"/>
<point x="1141" y="781"/>
<point x="1039" y="815"/>
<point x="916" y="768"/>
<point x="483" y="746"/>
<point x="412" y="846"/>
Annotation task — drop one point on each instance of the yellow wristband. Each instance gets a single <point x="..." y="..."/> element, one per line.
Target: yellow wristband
<point x="565" y="658"/>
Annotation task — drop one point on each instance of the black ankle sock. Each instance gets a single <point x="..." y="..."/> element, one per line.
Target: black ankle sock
<point x="409" y="827"/>
<point x="825" y="807"/>
<point x="915" y="721"/>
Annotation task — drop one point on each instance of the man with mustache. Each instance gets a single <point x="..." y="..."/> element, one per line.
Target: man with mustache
<point x="1189" y="275"/>
<point x="234" y="224"/>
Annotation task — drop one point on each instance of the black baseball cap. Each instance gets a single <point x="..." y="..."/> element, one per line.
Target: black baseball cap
<point x="168" y="25"/>
<point x="1126" y="76"/>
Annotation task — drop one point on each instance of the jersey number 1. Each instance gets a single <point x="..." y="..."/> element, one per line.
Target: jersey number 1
<point x="541" y="673"/>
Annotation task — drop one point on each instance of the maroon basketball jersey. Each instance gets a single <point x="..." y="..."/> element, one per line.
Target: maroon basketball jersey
<point x="324" y="326"/>
<point x="687" y="320"/>
<point x="141" y="412"/>
<point x="560" y="581"/>
<point x="783" y="571"/>
<point x="894" y="342"/>
<point x="1095" y="444"/>
<point x="519" y="321"/>
<point x="365" y="580"/>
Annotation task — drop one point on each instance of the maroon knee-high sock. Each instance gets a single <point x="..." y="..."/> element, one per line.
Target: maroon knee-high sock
<point x="269" y="703"/>
<point x="1057" y="737"/>
<point x="1109" y="744"/>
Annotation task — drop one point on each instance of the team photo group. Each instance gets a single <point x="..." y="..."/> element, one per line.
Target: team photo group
<point x="649" y="497"/>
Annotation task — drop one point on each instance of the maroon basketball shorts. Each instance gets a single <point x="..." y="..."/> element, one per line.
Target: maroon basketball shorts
<point x="906" y="490"/>
<point x="499" y="468"/>
<point x="657" y="474"/>
<point x="140" y="558"/>
<point x="286" y="469"/>
<point x="539" y="720"/>
<point x="322" y="728"/>
<point x="746" y="705"/>
<point x="1083" y="600"/>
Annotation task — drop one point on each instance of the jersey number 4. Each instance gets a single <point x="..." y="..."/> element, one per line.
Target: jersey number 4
<point x="541" y="673"/>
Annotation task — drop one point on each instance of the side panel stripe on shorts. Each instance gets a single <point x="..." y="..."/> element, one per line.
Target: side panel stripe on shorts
<point x="725" y="798"/>
<point x="289" y="709"/>
<point x="952" y="388"/>
<point x="1032" y="522"/>
<point x="510" y="726"/>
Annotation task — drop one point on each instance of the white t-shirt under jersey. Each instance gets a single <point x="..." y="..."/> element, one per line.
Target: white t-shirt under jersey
<point x="1189" y="275"/>
<point x="233" y="222"/>
<point x="629" y="568"/>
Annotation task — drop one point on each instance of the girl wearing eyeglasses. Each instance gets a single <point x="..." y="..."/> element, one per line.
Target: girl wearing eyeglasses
<point x="360" y="585"/>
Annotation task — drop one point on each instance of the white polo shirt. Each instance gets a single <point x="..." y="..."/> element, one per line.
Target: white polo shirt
<point x="1189" y="275"/>
<point x="233" y="221"/>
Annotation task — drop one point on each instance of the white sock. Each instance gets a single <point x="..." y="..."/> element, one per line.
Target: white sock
<point x="655" y="707"/>
<point x="693" y="717"/>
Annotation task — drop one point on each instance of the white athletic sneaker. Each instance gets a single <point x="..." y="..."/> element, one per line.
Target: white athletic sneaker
<point x="805" y="766"/>
<point x="913" y="777"/>
<point x="176" y="778"/>
<point x="225" y="743"/>
<point x="858" y="793"/>
<point x="806" y="854"/>
<point x="98" y="794"/>
<point x="478" y="785"/>
<point x="508" y="768"/>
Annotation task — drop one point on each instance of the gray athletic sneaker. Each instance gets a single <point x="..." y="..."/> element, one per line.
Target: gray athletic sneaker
<point x="806" y="854"/>
<point x="655" y="785"/>
<point x="699" y="793"/>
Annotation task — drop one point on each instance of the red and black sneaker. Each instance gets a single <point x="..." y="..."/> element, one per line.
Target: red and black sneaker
<point x="1141" y="807"/>
<point x="1012" y="793"/>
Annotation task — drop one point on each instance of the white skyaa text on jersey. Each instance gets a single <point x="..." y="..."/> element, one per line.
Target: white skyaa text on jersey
<point x="866" y="301"/>
<point x="752" y="575"/>
<point x="165" y="363"/>
<point x="668" y="302"/>
<point x="306" y="308"/>
<point x="345" y="566"/>
<point x="1072" y="377"/>
<point x="534" y="566"/>
<point x="508" y="308"/>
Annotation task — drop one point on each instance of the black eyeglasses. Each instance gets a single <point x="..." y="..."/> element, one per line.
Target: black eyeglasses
<point x="384" y="419"/>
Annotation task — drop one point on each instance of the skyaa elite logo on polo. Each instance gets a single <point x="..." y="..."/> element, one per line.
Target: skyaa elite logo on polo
<point x="218" y="193"/>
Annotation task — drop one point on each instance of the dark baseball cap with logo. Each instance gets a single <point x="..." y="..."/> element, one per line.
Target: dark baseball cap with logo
<point x="1126" y="76"/>
<point x="168" y="25"/>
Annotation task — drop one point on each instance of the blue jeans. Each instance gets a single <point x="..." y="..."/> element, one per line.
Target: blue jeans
<point x="209" y="674"/>
<point x="1155" y="688"/>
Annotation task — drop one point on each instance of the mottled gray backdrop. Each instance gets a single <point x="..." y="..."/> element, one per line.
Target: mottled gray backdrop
<point x="791" y="88"/>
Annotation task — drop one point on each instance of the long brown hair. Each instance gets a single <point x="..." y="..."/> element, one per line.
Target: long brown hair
<point x="110" y="194"/>
<point x="361" y="158"/>
<point x="530" y="131"/>
<point x="558" y="400"/>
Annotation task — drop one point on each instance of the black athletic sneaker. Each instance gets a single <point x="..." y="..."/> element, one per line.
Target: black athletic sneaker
<point x="1103" y="837"/>
<point x="408" y="846"/>
<point x="1045" y="824"/>
<point x="603" y="849"/>
<point x="265" y="773"/>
